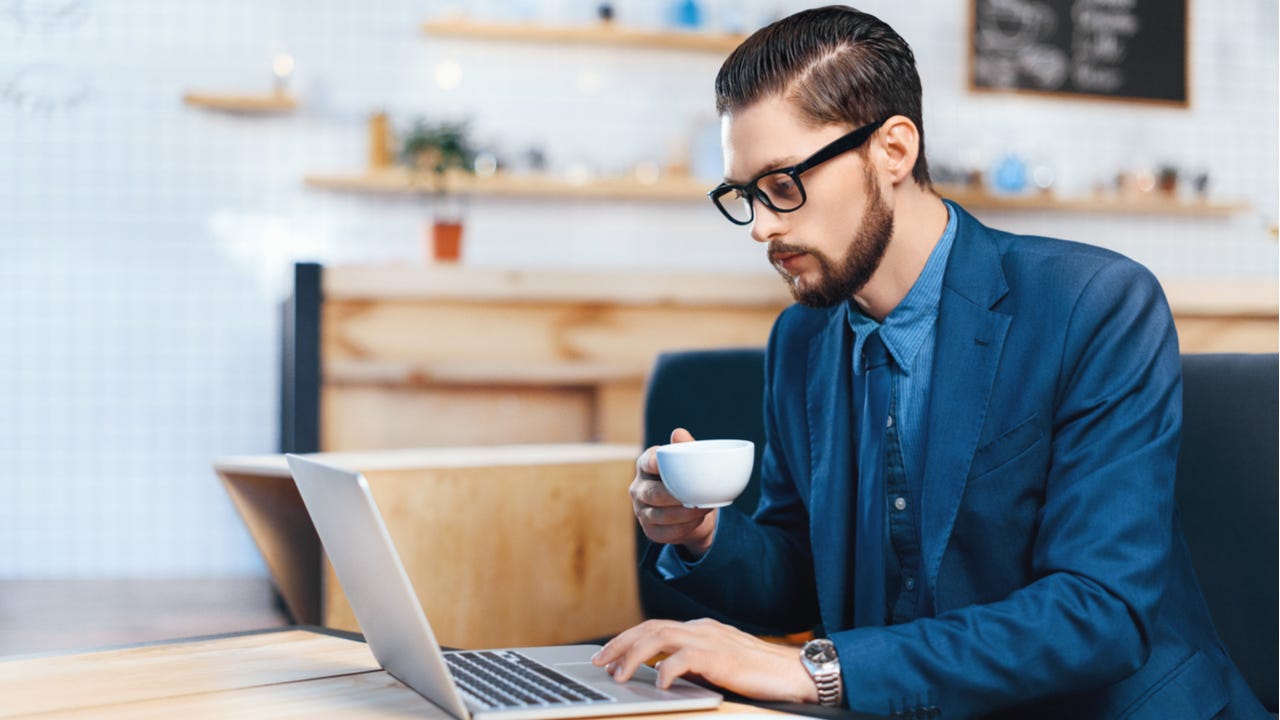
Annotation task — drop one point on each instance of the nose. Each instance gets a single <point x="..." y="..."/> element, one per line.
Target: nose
<point x="767" y="224"/>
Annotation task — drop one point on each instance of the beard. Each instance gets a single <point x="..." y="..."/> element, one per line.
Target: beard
<point x="838" y="282"/>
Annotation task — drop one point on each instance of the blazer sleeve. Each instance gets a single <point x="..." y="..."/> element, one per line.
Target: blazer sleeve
<point x="772" y="546"/>
<point x="1103" y="540"/>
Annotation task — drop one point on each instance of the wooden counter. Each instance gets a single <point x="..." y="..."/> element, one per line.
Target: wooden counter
<point x="505" y="546"/>
<point x="1226" y="315"/>
<point x="416" y="356"/>
<point x="429" y="356"/>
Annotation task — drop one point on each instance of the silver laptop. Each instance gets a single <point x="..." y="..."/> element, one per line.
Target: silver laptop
<point x="512" y="684"/>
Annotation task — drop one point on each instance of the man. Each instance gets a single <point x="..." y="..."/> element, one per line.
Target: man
<point x="971" y="436"/>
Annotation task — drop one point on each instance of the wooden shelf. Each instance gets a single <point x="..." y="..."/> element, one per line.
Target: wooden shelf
<point x="1152" y="204"/>
<point x="599" y="34"/>
<point x="481" y="285"/>
<point x="403" y="181"/>
<point x="243" y="103"/>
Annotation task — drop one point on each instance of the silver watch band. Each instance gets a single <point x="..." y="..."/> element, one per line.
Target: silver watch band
<point x="830" y="688"/>
<point x="822" y="663"/>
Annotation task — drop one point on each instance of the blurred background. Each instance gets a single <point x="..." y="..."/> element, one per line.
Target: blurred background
<point x="163" y="166"/>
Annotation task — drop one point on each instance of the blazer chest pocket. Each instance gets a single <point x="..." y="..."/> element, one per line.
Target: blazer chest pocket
<point x="1006" y="447"/>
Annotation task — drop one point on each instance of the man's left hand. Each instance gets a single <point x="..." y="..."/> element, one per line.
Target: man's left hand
<point x="712" y="651"/>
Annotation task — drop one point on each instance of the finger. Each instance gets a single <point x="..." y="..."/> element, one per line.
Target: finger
<point x="607" y="656"/>
<point x="669" y="524"/>
<point x="661" y="637"/>
<point x="669" y="518"/>
<point x="614" y="652"/>
<point x="652" y="492"/>
<point x="618" y="646"/>
<point x="672" y="667"/>
<point x="680" y="435"/>
<point x="671" y="535"/>
<point x="658" y="517"/>
<point x="647" y="463"/>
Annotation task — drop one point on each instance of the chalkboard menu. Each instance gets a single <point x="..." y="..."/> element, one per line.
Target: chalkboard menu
<point x="1117" y="49"/>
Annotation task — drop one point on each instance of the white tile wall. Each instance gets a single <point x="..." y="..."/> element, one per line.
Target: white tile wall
<point x="144" y="245"/>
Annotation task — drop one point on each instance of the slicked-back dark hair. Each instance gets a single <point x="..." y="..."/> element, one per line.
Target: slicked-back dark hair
<point x="839" y="65"/>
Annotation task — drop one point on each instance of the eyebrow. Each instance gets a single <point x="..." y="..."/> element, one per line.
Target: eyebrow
<point x="776" y="164"/>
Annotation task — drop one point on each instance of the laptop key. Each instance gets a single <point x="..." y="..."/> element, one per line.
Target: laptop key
<point x="520" y="680"/>
<point x="548" y="677"/>
<point x="581" y="690"/>
<point x="548" y="692"/>
<point x="513" y="686"/>
<point x="492" y="675"/>
<point x="486" y="692"/>
<point x="473" y="681"/>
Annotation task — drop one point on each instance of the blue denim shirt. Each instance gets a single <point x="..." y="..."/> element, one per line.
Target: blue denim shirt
<point x="908" y="334"/>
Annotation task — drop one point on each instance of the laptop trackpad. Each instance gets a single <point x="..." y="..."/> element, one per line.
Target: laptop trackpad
<point x="641" y="686"/>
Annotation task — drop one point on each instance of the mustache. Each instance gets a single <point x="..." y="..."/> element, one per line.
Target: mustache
<point x="781" y="248"/>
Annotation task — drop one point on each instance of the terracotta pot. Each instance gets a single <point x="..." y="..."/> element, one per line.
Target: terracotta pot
<point x="446" y="241"/>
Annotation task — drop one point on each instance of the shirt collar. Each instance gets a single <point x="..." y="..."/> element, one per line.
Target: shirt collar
<point x="908" y="325"/>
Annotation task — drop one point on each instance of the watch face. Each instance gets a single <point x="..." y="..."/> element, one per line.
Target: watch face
<point x="820" y="652"/>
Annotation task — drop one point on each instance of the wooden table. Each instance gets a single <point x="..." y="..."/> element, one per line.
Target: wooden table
<point x="301" y="673"/>
<point x="505" y="546"/>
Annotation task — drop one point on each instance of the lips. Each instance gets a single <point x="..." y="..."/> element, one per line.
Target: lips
<point x="785" y="259"/>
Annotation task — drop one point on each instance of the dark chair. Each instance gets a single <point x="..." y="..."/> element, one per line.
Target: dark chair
<point x="1227" y="494"/>
<point x="713" y="394"/>
<point x="1227" y="481"/>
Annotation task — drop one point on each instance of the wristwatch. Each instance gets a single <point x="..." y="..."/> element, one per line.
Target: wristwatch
<point x="820" y="659"/>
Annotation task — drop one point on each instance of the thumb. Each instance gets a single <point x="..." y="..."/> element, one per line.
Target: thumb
<point x="680" y="435"/>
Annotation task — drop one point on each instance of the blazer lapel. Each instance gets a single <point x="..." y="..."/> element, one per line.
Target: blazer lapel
<point x="827" y="404"/>
<point x="970" y="337"/>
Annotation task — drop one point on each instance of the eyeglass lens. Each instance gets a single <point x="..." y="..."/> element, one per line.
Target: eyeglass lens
<point x="779" y="190"/>
<point x="782" y="189"/>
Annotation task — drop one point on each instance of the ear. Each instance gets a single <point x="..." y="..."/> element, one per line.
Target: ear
<point x="898" y="146"/>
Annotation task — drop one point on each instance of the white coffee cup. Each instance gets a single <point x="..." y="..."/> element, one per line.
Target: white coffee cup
<point x="706" y="473"/>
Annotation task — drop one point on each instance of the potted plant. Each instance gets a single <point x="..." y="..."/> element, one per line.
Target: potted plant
<point x="441" y="149"/>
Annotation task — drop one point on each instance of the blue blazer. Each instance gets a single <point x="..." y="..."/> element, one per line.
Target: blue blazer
<point x="1061" y="583"/>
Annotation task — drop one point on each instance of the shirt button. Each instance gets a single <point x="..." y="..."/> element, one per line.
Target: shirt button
<point x="899" y="503"/>
<point x="910" y="582"/>
<point x="888" y="422"/>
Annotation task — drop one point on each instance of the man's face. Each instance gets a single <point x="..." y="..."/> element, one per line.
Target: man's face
<point x="829" y="248"/>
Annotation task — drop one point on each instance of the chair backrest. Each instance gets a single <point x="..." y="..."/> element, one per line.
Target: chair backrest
<point x="1227" y="480"/>
<point x="1227" y="495"/>
<point x="713" y="394"/>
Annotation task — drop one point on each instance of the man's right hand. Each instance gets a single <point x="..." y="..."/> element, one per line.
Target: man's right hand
<point x="664" y="519"/>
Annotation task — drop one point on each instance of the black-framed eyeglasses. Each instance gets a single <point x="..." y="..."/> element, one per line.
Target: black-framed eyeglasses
<point x="781" y="190"/>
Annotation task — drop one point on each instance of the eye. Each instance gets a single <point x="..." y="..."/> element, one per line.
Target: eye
<point x="781" y="188"/>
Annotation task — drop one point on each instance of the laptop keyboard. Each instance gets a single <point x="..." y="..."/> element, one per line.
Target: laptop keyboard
<point x="502" y="679"/>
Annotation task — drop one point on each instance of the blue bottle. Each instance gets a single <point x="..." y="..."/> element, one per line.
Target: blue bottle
<point x="686" y="14"/>
<point x="1010" y="176"/>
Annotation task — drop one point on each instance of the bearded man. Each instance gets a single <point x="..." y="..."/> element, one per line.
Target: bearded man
<point x="971" y="436"/>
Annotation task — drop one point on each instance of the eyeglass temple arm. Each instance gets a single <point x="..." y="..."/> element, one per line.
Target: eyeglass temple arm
<point x="839" y="145"/>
